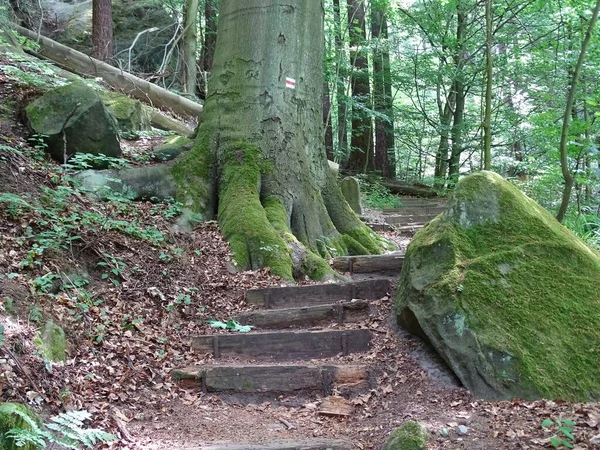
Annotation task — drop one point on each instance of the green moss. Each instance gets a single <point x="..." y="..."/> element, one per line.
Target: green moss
<point x="10" y="417"/>
<point x="526" y="285"/>
<point x="315" y="267"/>
<point x="254" y="241"/>
<point x="193" y="174"/>
<point x="52" y="342"/>
<point x="410" y="435"/>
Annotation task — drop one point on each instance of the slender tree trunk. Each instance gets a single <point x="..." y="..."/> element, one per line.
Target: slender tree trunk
<point x="458" y="90"/>
<point x="487" y="120"/>
<point x="382" y="101"/>
<point x="564" y="135"/>
<point x="259" y="161"/>
<point x="327" y="122"/>
<point x="342" y="101"/>
<point x="441" y="157"/>
<point x="190" y="46"/>
<point x="361" y="145"/>
<point x="102" y="30"/>
<point x="208" y="46"/>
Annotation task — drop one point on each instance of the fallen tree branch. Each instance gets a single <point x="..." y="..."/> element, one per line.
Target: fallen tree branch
<point x="116" y="78"/>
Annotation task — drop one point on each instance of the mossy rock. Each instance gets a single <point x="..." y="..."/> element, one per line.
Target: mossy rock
<point x="128" y="112"/>
<point x="172" y="148"/>
<point x="507" y="295"/>
<point x="410" y="435"/>
<point x="351" y="191"/>
<point x="77" y="109"/>
<point x="11" y="417"/>
<point x="52" y="342"/>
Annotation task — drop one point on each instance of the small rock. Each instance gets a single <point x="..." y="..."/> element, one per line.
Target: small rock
<point x="444" y="432"/>
<point x="595" y="440"/>
<point x="461" y="430"/>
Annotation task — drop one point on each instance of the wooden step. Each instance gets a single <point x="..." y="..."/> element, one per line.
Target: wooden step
<point x="285" y="345"/>
<point x="304" y="444"/>
<point x="408" y="229"/>
<point x="388" y="263"/>
<point x="413" y="210"/>
<point x="317" y="294"/>
<point x="379" y="226"/>
<point x="406" y="220"/>
<point x="348" y="311"/>
<point x="272" y="378"/>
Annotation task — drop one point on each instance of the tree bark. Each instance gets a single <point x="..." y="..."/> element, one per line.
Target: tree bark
<point x="382" y="87"/>
<point x="361" y="144"/>
<point x="564" y="135"/>
<point x="102" y="30"/>
<point x="259" y="160"/>
<point x="210" y="34"/>
<point x="190" y="31"/>
<point x="116" y="78"/>
<point x="327" y="123"/>
<point x="342" y="101"/>
<point x="487" y="120"/>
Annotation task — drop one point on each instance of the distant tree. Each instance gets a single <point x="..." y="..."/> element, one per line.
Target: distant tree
<point x="102" y="30"/>
<point x="190" y="33"/>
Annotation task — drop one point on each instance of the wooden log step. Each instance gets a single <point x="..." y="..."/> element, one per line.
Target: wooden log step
<point x="348" y="311"/>
<point x="413" y="210"/>
<point x="379" y="226"/>
<point x="389" y="262"/>
<point x="408" y="229"/>
<point x="317" y="294"/>
<point x="285" y="345"/>
<point x="405" y="220"/>
<point x="272" y="378"/>
<point x="305" y="444"/>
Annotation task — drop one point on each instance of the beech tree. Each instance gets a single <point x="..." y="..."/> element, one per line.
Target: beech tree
<point x="259" y="162"/>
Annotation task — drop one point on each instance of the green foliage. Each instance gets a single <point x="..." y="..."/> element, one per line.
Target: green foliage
<point x="563" y="429"/>
<point x="85" y="161"/>
<point x="113" y="266"/>
<point x="231" y="325"/>
<point x="375" y="195"/>
<point x="66" y="429"/>
<point x="1" y="335"/>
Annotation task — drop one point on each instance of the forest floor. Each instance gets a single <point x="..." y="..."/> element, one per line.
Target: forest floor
<point x="130" y="292"/>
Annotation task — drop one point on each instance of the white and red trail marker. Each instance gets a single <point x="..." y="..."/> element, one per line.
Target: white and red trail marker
<point x="290" y="83"/>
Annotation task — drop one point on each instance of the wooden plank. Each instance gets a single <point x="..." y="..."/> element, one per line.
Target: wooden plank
<point x="379" y="226"/>
<point x="405" y="220"/>
<point x="284" y="346"/>
<point x="390" y="262"/>
<point x="408" y="229"/>
<point x="317" y="294"/>
<point x="272" y="378"/>
<point x="305" y="444"/>
<point x="414" y="210"/>
<point x="264" y="379"/>
<point x="351" y="311"/>
<point x="336" y="406"/>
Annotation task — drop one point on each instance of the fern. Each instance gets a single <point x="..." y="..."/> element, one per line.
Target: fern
<point x="67" y="429"/>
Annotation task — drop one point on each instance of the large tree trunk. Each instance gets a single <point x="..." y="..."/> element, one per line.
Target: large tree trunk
<point x="259" y="159"/>
<point x="102" y="30"/>
<point x="361" y="145"/>
<point x="190" y="46"/>
<point x="342" y="101"/>
<point x="382" y="101"/>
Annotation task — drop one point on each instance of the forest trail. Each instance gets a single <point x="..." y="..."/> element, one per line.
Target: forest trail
<point x="324" y="352"/>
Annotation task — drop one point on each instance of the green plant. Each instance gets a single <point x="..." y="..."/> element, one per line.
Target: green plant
<point x="67" y="429"/>
<point x="563" y="429"/>
<point x="36" y="313"/>
<point x="44" y="284"/>
<point x="84" y="161"/>
<point x="1" y="335"/>
<point x="375" y="195"/>
<point x="230" y="325"/>
<point x="114" y="266"/>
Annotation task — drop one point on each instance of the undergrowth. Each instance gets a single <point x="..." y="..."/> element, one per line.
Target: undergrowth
<point x="375" y="195"/>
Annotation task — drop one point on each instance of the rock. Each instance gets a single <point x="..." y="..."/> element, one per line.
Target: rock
<point x="89" y="127"/>
<point x="136" y="183"/>
<point x="410" y="435"/>
<point x="351" y="190"/>
<point x="128" y="112"/>
<point x="11" y="417"/>
<point x="52" y="342"/>
<point x="505" y="294"/>
<point x="172" y="148"/>
<point x="461" y="430"/>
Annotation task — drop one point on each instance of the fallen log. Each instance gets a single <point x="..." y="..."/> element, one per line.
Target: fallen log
<point x="408" y="189"/>
<point x="389" y="262"/>
<point x="118" y="79"/>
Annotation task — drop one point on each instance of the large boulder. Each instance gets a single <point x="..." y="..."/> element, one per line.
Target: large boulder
<point x="508" y="296"/>
<point x="128" y="112"/>
<point x="89" y="127"/>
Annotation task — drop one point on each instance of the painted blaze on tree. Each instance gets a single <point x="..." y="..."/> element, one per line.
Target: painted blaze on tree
<point x="259" y="161"/>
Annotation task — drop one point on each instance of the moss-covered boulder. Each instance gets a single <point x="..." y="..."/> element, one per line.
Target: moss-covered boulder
<point x="172" y="148"/>
<point x="508" y="296"/>
<point x="15" y="416"/>
<point x="128" y="112"/>
<point x="76" y="108"/>
<point x="410" y="435"/>
<point x="52" y="342"/>
<point x="351" y="191"/>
